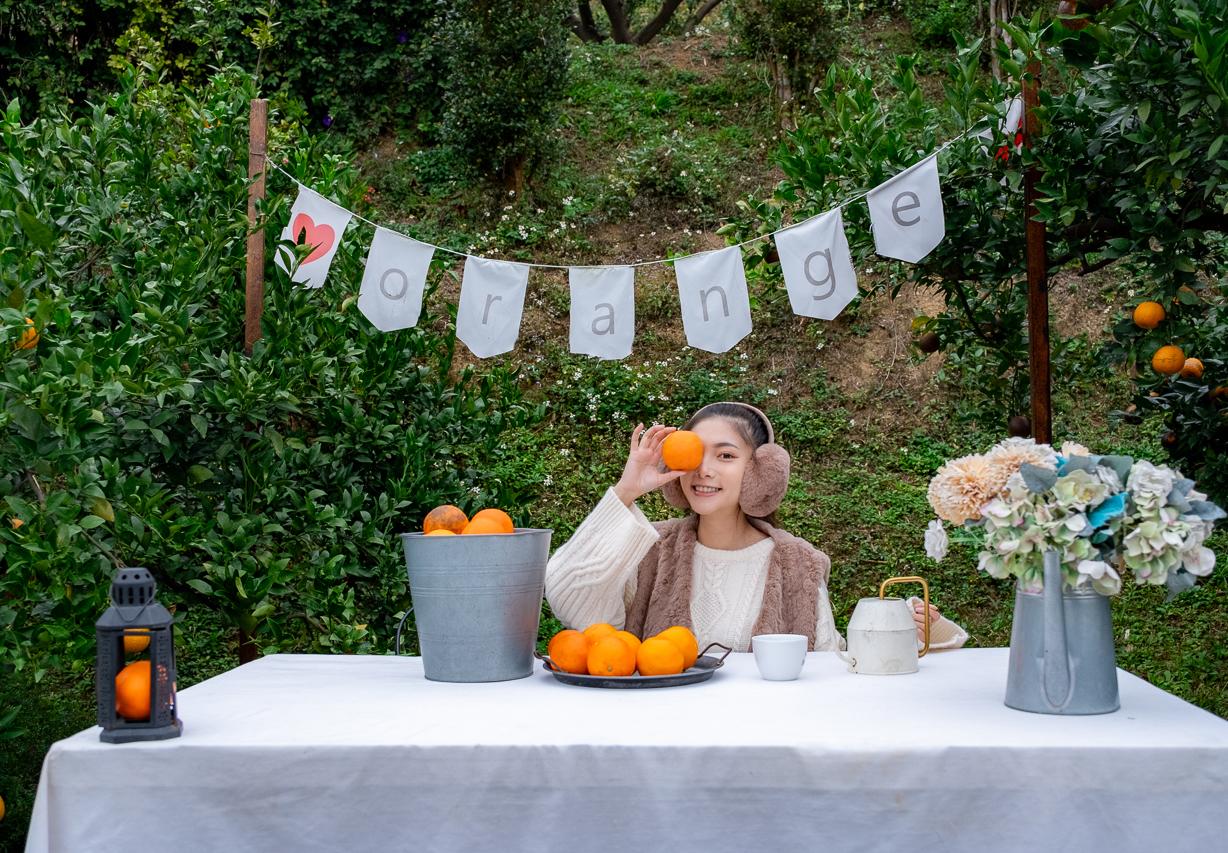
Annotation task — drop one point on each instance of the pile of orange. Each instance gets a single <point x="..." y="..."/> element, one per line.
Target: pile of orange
<point x="602" y="649"/>
<point x="448" y="520"/>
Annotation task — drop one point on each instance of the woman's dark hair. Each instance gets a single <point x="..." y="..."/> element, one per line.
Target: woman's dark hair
<point x="750" y="427"/>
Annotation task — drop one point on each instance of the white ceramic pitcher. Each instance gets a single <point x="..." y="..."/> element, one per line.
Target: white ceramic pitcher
<point x="882" y="636"/>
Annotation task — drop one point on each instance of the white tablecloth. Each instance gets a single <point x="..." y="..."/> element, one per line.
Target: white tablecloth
<point x="321" y="753"/>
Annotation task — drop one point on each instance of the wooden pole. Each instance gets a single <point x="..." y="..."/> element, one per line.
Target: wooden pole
<point x="1038" y="280"/>
<point x="257" y="150"/>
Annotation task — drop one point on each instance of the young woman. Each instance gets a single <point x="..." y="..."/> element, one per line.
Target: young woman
<point x="725" y="569"/>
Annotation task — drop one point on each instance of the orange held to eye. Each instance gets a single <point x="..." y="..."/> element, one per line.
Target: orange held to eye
<point x="682" y="450"/>
<point x="498" y="516"/>
<point x="569" y="650"/>
<point x="446" y="517"/>
<point x="1168" y="360"/>
<point x="684" y="640"/>
<point x="611" y="657"/>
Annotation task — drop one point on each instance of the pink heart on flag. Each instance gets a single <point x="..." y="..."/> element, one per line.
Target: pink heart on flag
<point x="319" y="237"/>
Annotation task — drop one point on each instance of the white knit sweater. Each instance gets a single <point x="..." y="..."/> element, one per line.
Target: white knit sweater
<point x="592" y="578"/>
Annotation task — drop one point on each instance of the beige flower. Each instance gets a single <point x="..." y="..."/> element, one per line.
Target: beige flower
<point x="961" y="487"/>
<point x="1073" y="448"/>
<point x="1007" y="457"/>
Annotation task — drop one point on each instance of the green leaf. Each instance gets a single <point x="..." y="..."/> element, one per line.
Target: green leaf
<point x="201" y="425"/>
<point x="199" y="473"/>
<point x="200" y="586"/>
<point x="101" y="508"/>
<point x="35" y="230"/>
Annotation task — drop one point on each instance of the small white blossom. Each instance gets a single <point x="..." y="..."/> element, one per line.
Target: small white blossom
<point x="936" y="541"/>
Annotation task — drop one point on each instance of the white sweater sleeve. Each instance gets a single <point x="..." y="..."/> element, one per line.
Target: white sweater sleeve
<point x="590" y="577"/>
<point x="944" y="634"/>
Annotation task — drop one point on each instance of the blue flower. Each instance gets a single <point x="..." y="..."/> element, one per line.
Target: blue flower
<point x="1107" y="509"/>
<point x="327" y="121"/>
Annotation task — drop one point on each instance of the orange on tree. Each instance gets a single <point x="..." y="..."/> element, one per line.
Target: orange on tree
<point x="1148" y="315"/>
<point x="447" y="517"/>
<point x="132" y="691"/>
<point x="498" y="516"/>
<point x="599" y="631"/>
<point x="1168" y="360"/>
<point x="15" y="522"/>
<point x="484" y="525"/>
<point x="132" y="644"/>
<point x="29" y="336"/>
<point x="1192" y="369"/>
<point x="685" y="641"/>
<point x="612" y="657"/>
<point x="441" y="531"/>
<point x="658" y="656"/>
<point x="630" y="639"/>
<point x="682" y="450"/>
<point x="569" y="650"/>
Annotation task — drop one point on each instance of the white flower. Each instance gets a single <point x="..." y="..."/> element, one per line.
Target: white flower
<point x="936" y="542"/>
<point x="1199" y="560"/>
<point x="1073" y="448"/>
<point x="1104" y="579"/>
<point x="1150" y="480"/>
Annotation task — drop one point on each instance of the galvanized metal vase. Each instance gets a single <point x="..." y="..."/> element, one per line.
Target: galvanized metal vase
<point x="1062" y="659"/>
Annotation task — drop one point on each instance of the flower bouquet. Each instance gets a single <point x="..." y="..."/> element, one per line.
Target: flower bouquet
<point x="1067" y="525"/>
<point x="1101" y="514"/>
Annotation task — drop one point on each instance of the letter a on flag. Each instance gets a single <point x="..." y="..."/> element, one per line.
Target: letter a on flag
<point x="317" y="222"/>
<point x="906" y="213"/>
<point x="491" y="303"/>
<point x="602" y="310"/>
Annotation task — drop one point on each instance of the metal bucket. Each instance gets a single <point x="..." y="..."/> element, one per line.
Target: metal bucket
<point x="477" y="601"/>
<point x="1062" y="659"/>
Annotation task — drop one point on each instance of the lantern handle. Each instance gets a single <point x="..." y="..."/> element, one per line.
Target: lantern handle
<point x="401" y="625"/>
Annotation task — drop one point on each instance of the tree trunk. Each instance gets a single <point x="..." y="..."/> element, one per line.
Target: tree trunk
<point x="247" y="648"/>
<point x="697" y="18"/>
<point x="514" y="175"/>
<point x="618" y="21"/>
<point x="583" y="25"/>
<point x="656" y="24"/>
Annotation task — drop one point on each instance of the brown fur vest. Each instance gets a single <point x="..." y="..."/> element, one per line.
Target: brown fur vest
<point x="663" y="593"/>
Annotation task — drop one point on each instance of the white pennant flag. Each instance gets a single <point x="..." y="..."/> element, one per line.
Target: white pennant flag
<point x="906" y="213"/>
<point x="715" y="303"/>
<point x="818" y="270"/>
<point x="393" y="281"/>
<point x="602" y="310"/>
<point x="317" y="222"/>
<point x="491" y="303"/>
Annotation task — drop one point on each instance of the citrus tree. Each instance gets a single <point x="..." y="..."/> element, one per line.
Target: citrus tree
<point x="1132" y="111"/>
<point x="133" y="429"/>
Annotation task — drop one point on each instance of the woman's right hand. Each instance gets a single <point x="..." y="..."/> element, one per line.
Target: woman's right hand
<point x="643" y="471"/>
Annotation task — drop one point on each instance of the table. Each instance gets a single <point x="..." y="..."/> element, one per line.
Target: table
<point x="355" y="753"/>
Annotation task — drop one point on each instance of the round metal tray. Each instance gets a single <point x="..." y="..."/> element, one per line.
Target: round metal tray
<point x="705" y="667"/>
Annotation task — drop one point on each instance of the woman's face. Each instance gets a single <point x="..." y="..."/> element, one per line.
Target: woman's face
<point x="716" y="485"/>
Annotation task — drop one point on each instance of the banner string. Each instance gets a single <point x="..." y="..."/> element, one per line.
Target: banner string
<point x="980" y="128"/>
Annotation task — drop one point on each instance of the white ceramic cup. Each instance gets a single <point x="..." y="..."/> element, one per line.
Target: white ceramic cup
<point x="779" y="656"/>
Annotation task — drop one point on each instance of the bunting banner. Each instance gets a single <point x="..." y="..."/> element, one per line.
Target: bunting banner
<point x="491" y="304"/>
<point x="906" y="218"/>
<point x="906" y="213"/>
<point x="394" y="280"/>
<point x="714" y="299"/>
<point x="602" y="311"/>
<point x="317" y="222"/>
<point x="817" y="266"/>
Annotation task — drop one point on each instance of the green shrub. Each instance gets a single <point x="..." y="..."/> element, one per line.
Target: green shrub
<point x="506" y="74"/>
<point x="941" y="22"/>
<point x="268" y="489"/>
<point x="797" y="39"/>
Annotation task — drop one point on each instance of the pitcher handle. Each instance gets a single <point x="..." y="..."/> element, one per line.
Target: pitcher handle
<point x="925" y="589"/>
<point x="1056" y="680"/>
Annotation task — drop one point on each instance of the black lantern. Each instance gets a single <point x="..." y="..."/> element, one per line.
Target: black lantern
<point x="136" y="698"/>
